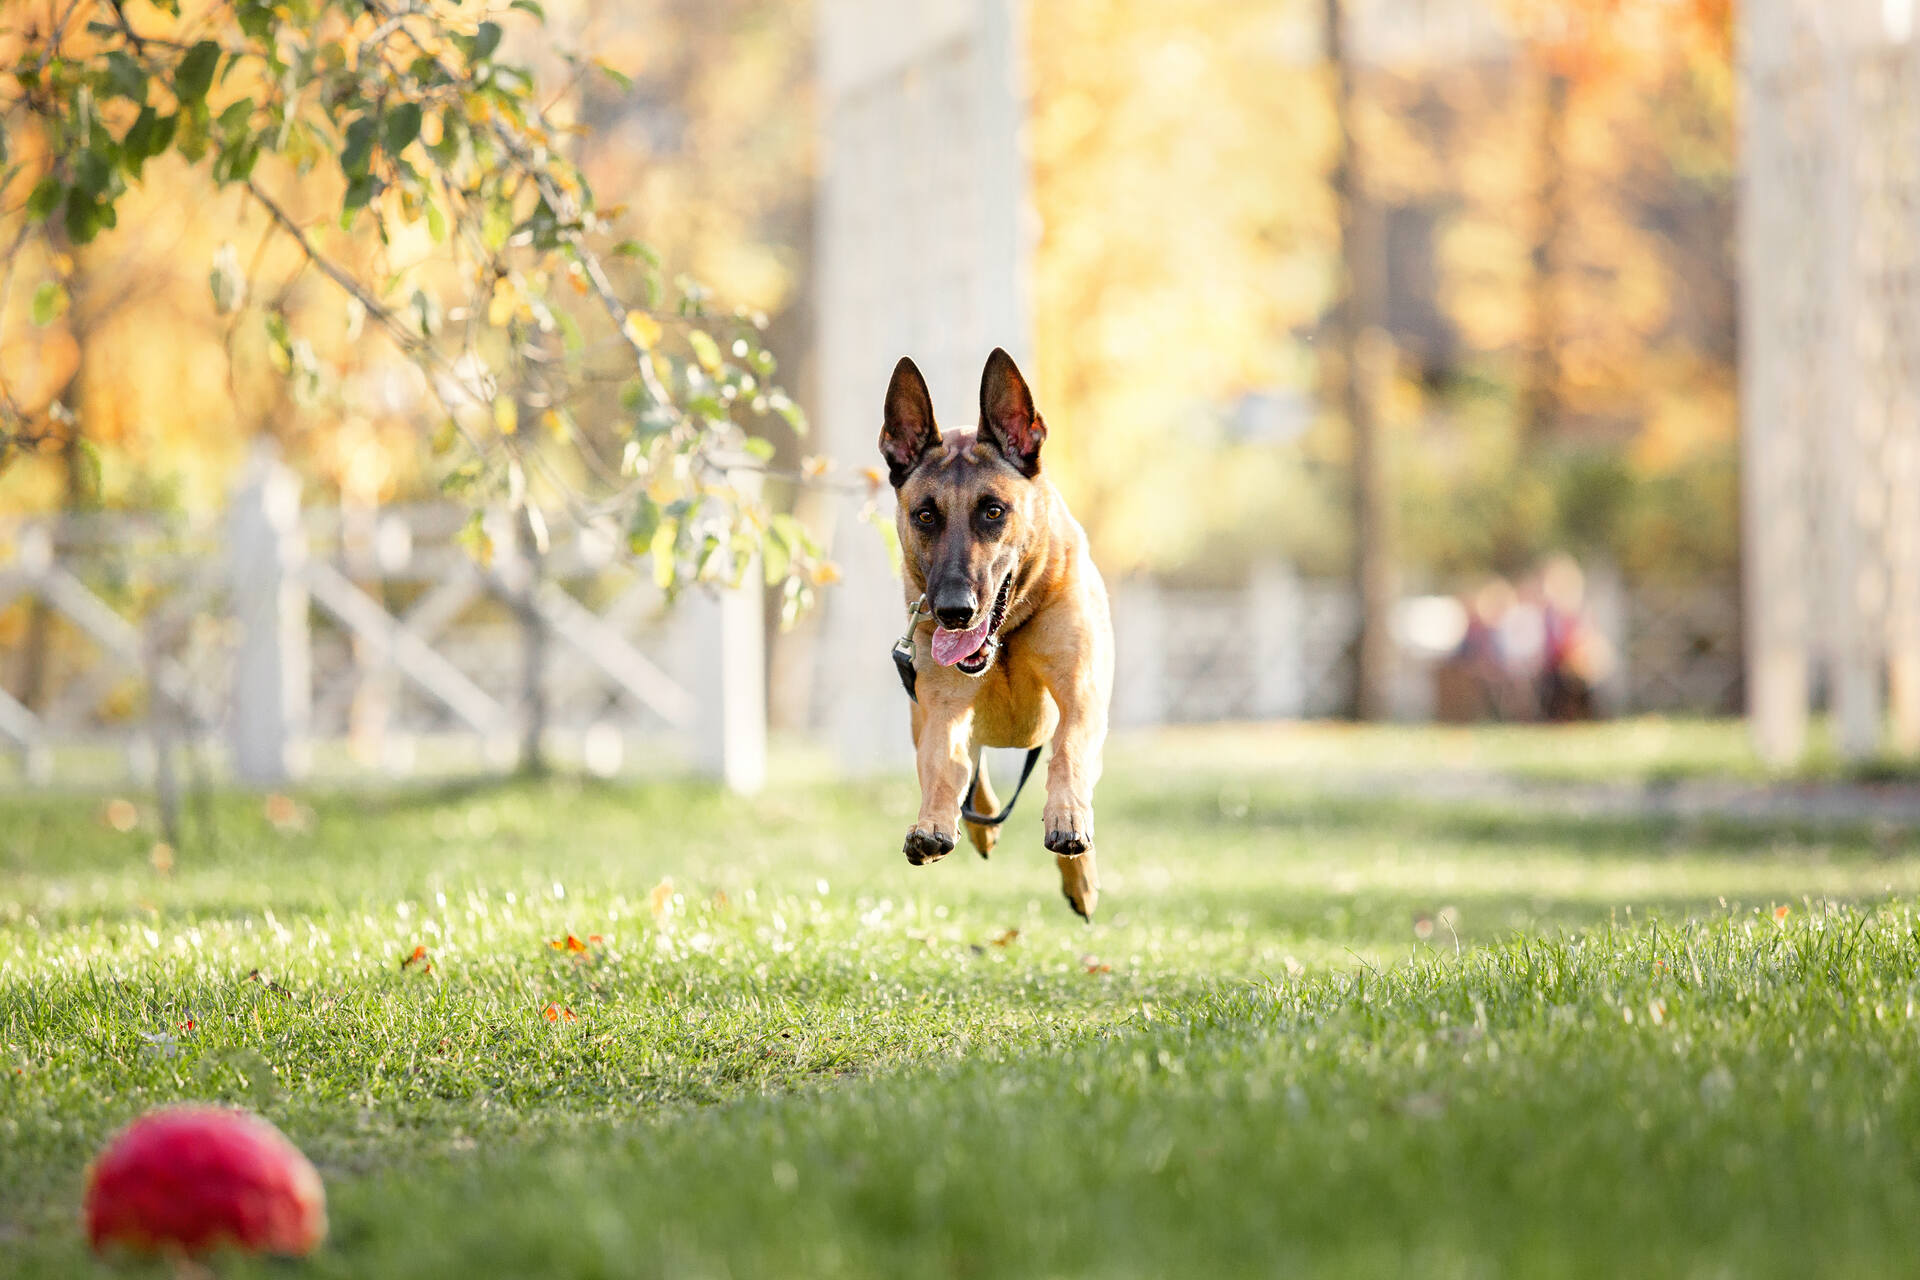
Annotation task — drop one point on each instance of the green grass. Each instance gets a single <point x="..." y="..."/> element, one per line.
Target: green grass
<point x="1315" y="1032"/>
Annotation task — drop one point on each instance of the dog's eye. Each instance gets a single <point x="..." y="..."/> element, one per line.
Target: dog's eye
<point x="924" y="517"/>
<point x="994" y="512"/>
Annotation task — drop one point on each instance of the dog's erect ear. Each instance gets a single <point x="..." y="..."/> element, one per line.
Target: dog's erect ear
<point x="1007" y="417"/>
<point x="909" y="431"/>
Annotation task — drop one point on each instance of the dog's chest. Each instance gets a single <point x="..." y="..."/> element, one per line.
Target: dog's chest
<point x="1013" y="707"/>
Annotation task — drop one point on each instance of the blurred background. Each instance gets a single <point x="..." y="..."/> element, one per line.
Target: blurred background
<point x="1397" y="356"/>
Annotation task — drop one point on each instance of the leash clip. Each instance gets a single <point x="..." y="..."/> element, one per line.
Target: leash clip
<point x="903" y="649"/>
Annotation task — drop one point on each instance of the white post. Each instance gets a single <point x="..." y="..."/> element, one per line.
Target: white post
<point x="1776" y="304"/>
<point x="1856" y="650"/>
<point x="1276" y="622"/>
<point x="729" y="682"/>
<point x="1140" y="654"/>
<point x="272" y="671"/>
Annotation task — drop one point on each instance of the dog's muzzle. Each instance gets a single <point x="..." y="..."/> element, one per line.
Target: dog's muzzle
<point x="972" y="651"/>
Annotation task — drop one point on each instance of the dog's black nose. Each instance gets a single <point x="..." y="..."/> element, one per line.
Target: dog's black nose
<point x="955" y="609"/>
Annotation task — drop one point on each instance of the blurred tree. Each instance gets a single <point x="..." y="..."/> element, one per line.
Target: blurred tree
<point x="1556" y="284"/>
<point x="1180" y="152"/>
<point x="391" y="150"/>
<point x="1356" y="340"/>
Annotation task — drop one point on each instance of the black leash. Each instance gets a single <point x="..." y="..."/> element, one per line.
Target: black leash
<point x="909" y="678"/>
<point x="986" y="820"/>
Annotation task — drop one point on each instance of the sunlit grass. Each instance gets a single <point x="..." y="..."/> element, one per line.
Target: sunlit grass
<point x="1314" y="1031"/>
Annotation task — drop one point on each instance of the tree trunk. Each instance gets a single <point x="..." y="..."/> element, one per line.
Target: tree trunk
<point x="1540" y="396"/>
<point x="37" y="644"/>
<point x="1360" y="346"/>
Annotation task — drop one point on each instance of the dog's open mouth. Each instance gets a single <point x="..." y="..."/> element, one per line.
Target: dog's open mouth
<point x="972" y="650"/>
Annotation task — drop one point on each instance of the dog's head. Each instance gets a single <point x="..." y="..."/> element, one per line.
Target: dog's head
<point x="970" y="509"/>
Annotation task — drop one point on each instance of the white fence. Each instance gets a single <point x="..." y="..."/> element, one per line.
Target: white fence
<point x="327" y="643"/>
<point x="290" y="642"/>
<point x="1279" y="647"/>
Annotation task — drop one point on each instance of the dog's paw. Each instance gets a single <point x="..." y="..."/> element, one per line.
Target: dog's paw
<point x="923" y="847"/>
<point x="1079" y="883"/>
<point x="1069" y="828"/>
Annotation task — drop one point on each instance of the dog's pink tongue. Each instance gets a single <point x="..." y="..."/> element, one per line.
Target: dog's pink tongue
<point x="950" y="647"/>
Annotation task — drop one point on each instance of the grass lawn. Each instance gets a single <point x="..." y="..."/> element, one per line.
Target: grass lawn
<point x="1316" y="1030"/>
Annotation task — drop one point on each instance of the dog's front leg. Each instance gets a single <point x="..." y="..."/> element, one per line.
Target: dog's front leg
<point x="941" y="752"/>
<point x="1072" y="771"/>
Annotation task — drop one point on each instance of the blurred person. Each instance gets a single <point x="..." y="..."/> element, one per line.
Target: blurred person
<point x="1574" y="655"/>
<point x="1478" y="682"/>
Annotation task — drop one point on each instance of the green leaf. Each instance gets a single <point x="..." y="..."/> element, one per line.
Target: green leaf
<point x="136" y="144"/>
<point x="642" y="524"/>
<point x="614" y="74"/>
<point x="705" y="350"/>
<point x="474" y="538"/>
<point x="46" y="198"/>
<point x="225" y="278"/>
<point x="49" y="303"/>
<point x="400" y="127"/>
<point x="759" y="447"/>
<point x="496" y="224"/>
<point x="87" y="454"/>
<point x="796" y="416"/>
<point x="91" y="173"/>
<point x="529" y="6"/>
<point x="235" y="163"/>
<point x="794" y="533"/>
<point x="85" y="218"/>
<point x="357" y="155"/>
<point x="125" y="77"/>
<point x="889" y="536"/>
<point x="191" y="136"/>
<point x="486" y="38"/>
<point x="661" y="546"/>
<point x="360" y="191"/>
<point x="194" y="76"/>
<point x="775" y="556"/>
<point x="234" y="120"/>
<point x="436" y="223"/>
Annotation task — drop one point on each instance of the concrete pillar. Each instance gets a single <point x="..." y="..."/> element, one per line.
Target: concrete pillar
<point x="922" y="228"/>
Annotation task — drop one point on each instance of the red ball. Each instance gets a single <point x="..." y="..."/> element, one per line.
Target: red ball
<point x="194" y="1178"/>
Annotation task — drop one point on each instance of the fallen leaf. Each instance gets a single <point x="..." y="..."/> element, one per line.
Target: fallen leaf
<point x="571" y="944"/>
<point x="1007" y="938"/>
<point x="559" y="1013"/>
<point x="1780" y="914"/>
<point x="1095" y="965"/>
<point x="661" y="899"/>
<point x="419" y="954"/>
<point x="120" y="814"/>
<point x="189" y="1025"/>
<point x="256" y="976"/>
<point x="596" y="938"/>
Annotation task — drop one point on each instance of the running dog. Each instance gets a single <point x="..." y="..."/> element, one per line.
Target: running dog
<point x="1011" y="637"/>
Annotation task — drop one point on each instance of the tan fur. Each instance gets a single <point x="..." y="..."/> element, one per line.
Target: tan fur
<point x="1052" y="676"/>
